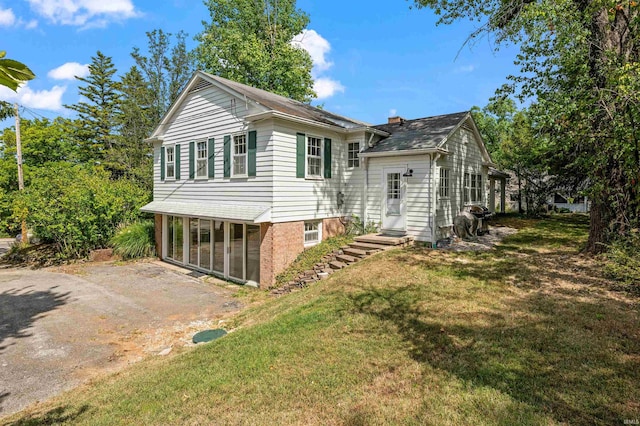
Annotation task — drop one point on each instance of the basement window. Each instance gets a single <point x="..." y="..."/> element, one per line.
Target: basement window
<point x="312" y="233"/>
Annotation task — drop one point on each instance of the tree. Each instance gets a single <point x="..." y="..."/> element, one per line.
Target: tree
<point x="135" y="123"/>
<point x="249" y="41"/>
<point x="98" y="111"/>
<point x="580" y="61"/>
<point x="167" y="69"/>
<point x="12" y="72"/>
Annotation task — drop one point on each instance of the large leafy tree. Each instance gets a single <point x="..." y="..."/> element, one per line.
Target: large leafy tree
<point x="166" y="69"/>
<point x="98" y="110"/>
<point x="249" y="41"/>
<point x="580" y="62"/>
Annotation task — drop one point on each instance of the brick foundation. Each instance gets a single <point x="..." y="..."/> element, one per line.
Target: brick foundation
<point x="281" y="244"/>
<point x="158" y="234"/>
<point x="332" y="227"/>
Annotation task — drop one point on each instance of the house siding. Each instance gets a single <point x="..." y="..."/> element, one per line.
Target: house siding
<point x="465" y="156"/>
<point x="204" y="114"/>
<point x="297" y="199"/>
<point x="417" y="194"/>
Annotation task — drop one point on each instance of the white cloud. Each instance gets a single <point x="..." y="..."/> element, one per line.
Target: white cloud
<point x="50" y="100"/>
<point x="393" y="112"/>
<point x="465" y="69"/>
<point x="31" y="24"/>
<point x="7" y="18"/>
<point x="84" y="13"/>
<point x="69" y="71"/>
<point x="318" y="48"/>
<point x="326" y="87"/>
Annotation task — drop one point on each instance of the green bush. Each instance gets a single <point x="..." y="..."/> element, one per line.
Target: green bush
<point x="623" y="262"/>
<point x="135" y="240"/>
<point x="357" y="227"/>
<point x="77" y="207"/>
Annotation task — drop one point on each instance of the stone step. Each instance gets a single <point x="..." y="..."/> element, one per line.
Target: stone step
<point x="355" y="252"/>
<point x="386" y="240"/>
<point x="337" y="265"/>
<point x="346" y="258"/>
<point x="367" y="246"/>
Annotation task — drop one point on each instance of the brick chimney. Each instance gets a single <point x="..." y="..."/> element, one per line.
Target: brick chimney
<point x="396" y="120"/>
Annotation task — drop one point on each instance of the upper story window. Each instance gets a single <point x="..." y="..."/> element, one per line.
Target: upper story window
<point x="352" y="151"/>
<point x="444" y="183"/>
<point x="314" y="157"/>
<point x="240" y="155"/>
<point x="171" y="162"/>
<point x="201" y="160"/>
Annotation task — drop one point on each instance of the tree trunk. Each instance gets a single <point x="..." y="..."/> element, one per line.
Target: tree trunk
<point x="597" y="227"/>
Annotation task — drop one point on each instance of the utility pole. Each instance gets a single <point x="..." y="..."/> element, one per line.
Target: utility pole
<point x="25" y="237"/>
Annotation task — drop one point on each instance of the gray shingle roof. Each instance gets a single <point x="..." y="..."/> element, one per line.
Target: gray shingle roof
<point x="240" y="212"/>
<point x="289" y="106"/>
<point x="422" y="133"/>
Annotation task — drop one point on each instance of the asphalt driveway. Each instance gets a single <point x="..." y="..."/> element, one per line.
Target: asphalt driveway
<point x="60" y="327"/>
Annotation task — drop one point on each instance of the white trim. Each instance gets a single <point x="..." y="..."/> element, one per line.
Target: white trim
<point x="421" y="151"/>
<point x="357" y="154"/>
<point x="166" y="161"/>
<point x="319" y="225"/>
<point x="196" y="159"/>
<point x="233" y="155"/>
<point x="307" y="175"/>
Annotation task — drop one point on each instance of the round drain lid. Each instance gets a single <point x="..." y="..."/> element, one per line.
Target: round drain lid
<point x="208" y="335"/>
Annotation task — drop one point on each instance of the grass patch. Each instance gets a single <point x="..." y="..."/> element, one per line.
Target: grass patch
<point x="308" y="258"/>
<point x="527" y="334"/>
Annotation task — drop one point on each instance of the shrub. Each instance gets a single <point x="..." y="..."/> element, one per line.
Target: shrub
<point x="357" y="227"/>
<point x="77" y="207"/>
<point x="623" y="262"/>
<point x="135" y="240"/>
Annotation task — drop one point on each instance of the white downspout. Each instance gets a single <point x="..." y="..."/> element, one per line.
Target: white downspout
<point x="434" y="200"/>
<point x="365" y="196"/>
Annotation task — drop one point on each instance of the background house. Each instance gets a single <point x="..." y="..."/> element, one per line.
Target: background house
<point x="245" y="179"/>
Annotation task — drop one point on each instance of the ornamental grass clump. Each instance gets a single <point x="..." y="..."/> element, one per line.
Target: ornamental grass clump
<point x="623" y="261"/>
<point x="134" y="240"/>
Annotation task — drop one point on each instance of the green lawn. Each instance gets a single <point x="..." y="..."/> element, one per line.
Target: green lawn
<point x="528" y="334"/>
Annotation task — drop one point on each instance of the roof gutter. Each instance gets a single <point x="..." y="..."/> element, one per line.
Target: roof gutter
<point x="421" y="151"/>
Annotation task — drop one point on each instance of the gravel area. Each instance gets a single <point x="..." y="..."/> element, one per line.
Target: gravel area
<point x="485" y="242"/>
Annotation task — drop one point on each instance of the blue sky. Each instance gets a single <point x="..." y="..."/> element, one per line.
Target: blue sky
<point x="372" y="58"/>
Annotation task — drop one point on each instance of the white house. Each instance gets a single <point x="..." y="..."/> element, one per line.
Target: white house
<point x="245" y="179"/>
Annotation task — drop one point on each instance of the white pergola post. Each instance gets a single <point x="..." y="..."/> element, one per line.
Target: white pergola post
<point x="503" y="195"/>
<point x="492" y="195"/>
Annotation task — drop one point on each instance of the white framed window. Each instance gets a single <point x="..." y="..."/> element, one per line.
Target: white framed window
<point x="472" y="188"/>
<point x="465" y="187"/>
<point x="444" y="183"/>
<point x="240" y="155"/>
<point x="314" y="157"/>
<point x="352" y="152"/>
<point x="170" y="166"/>
<point x="312" y="233"/>
<point x="202" y="159"/>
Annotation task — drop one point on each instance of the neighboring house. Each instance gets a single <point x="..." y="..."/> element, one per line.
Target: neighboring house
<point x="578" y="204"/>
<point x="245" y="180"/>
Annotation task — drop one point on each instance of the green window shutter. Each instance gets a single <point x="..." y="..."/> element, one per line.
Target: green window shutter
<point x="176" y="153"/>
<point x="253" y="145"/>
<point x="192" y="148"/>
<point x="300" y="155"/>
<point x="210" y="151"/>
<point x="162" y="163"/>
<point x="327" y="157"/>
<point x="227" y="156"/>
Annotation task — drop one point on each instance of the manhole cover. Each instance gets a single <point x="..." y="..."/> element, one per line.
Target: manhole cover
<point x="208" y="335"/>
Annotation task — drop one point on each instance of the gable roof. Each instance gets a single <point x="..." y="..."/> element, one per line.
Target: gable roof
<point x="288" y="106"/>
<point x="266" y="101"/>
<point x="419" y="134"/>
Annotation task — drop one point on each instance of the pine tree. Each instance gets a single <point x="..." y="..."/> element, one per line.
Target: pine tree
<point x="97" y="113"/>
<point x="135" y="123"/>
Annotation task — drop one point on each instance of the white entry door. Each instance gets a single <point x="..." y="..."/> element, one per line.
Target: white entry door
<point x="393" y="203"/>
